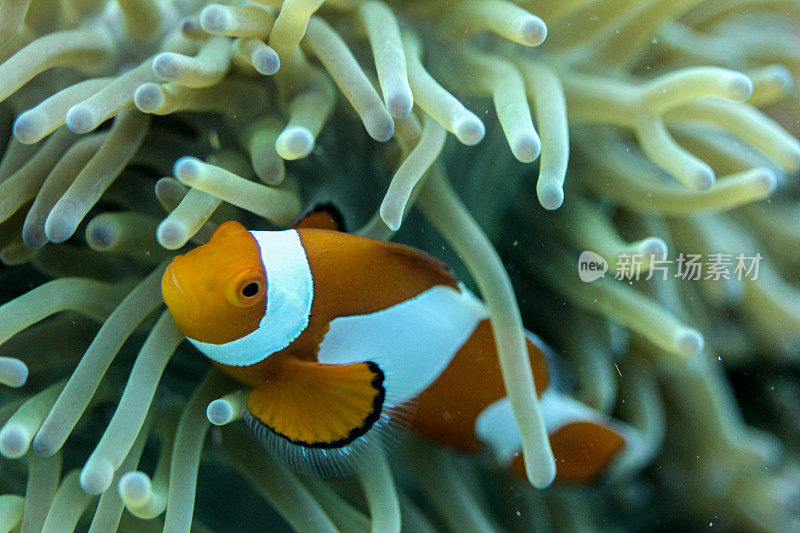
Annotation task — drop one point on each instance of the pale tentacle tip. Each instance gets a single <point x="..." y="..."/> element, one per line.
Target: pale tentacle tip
<point x="768" y="179"/>
<point x="654" y="247"/>
<point x="533" y="30"/>
<point x="164" y="186"/>
<point x="56" y="229"/>
<point x="741" y="87"/>
<point x="703" y="178"/>
<point x="187" y="168"/>
<point x="543" y="477"/>
<point x="190" y="25"/>
<point x="689" y="341"/>
<point x="167" y="65"/>
<point x="101" y="235"/>
<point x="526" y="148"/>
<point x="272" y="172"/>
<point x="400" y="103"/>
<point x="391" y="215"/>
<point x="14" y="441"/>
<point x="33" y="238"/>
<point x="81" y="119"/>
<point x="295" y="142"/>
<point x="551" y="196"/>
<point x="135" y="488"/>
<point x="96" y="475"/>
<point x="379" y="125"/>
<point x="470" y="130"/>
<point x="220" y="412"/>
<point x="148" y="97"/>
<point x="30" y="126"/>
<point x="171" y="234"/>
<point x="782" y="77"/>
<point x="43" y="446"/>
<point x="215" y="19"/>
<point x="13" y="372"/>
<point x="266" y="61"/>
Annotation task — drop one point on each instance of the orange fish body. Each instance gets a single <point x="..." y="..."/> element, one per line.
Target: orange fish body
<point x="335" y="333"/>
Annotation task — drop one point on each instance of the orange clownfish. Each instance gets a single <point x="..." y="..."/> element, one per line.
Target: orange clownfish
<point x="334" y="333"/>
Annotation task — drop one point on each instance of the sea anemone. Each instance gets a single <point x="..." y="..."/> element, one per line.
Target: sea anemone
<point x="663" y="129"/>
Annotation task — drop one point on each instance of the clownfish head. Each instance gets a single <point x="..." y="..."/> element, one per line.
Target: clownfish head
<point x="217" y="293"/>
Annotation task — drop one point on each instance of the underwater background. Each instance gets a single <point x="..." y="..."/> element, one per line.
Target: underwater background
<point x="525" y="133"/>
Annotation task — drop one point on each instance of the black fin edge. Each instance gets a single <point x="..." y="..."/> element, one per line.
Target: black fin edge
<point x="366" y="425"/>
<point x="384" y="437"/>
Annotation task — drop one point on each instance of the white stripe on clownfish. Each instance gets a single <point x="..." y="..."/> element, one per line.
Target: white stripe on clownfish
<point x="290" y="291"/>
<point x="411" y="342"/>
<point x="496" y="428"/>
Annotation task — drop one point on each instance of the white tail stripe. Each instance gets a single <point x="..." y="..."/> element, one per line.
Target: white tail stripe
<point x="495" y="425"/>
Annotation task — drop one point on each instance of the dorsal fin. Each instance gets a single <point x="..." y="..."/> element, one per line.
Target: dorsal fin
<point x="436" y="270"/>
<point x="226" y="229"/>
<point x="321" y="419"/>
<point x="323" y="216"/>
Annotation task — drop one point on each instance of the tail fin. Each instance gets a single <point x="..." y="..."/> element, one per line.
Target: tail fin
<point x="585" y="442"/>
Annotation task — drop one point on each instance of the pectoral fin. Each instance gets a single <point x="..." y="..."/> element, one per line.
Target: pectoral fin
<point x="317" y="405"/>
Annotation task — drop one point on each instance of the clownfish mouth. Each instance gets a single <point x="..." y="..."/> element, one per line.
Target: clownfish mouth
<point x="182" y="306"/>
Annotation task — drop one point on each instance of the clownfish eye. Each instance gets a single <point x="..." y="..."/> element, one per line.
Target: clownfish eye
<point x="250" y="290"/>
<point x="245" y="288"/>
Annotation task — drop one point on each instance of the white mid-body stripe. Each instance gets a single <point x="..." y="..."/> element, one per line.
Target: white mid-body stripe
<point x="496" y="428"/>
<point x="290" y="291"/>
<point x="412" y="342"/>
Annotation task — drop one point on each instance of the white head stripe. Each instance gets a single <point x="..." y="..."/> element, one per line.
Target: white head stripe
<point x="290" y="291"/>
